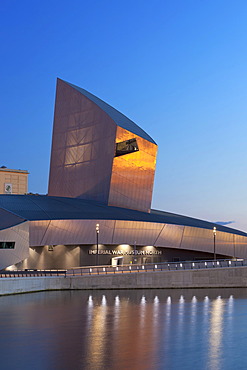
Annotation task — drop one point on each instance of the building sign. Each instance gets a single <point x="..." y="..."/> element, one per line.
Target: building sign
<point x="8" y="188"/>
<point x="125" y="253"/>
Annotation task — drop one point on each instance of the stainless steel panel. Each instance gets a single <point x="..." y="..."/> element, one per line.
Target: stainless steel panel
<point x="20" y="235"/>
<point x="70" y="232"/>
<point x="83" y="147"/>
<point x="129" y="232"/>
<point x="203" y="239"/>
<point x="170" y="236"/>
<point x="37" y="232"/>
<point x="133" y="174"/>
<point x="240" y="246"/>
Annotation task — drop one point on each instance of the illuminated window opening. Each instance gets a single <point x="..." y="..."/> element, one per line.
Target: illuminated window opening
<point x="126" y="147"/>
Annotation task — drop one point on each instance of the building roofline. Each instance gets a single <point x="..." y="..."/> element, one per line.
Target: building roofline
<point x="12" y="170"/>
<point x="42" y="207"/>
<point x="119" y="118"/>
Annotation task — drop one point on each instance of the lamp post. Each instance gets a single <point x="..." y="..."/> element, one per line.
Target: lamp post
<point x="234" y="247"/>
<point x="134" y="259"/>
<point x="214" y="232"/>
<point x="97" y="242"/>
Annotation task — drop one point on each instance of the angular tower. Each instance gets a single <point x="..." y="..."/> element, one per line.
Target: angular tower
<point x="98" y="153"/>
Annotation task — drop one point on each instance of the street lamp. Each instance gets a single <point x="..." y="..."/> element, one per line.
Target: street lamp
<point x="134" y="259"/>
<point x="214" y="232"/>
<point x="234" y="247"/>
<point x="97" y="241"/>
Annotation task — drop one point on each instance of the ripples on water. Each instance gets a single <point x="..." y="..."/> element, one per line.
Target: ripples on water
<point x="151" y="329"/>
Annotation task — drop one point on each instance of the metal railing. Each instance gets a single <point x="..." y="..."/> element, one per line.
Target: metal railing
<point x="31" y="273"/>
<point x="131" y="268"/>
<point x="162" y="266"/>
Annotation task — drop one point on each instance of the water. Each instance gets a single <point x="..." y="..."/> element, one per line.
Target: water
<point x="149" y="329"/>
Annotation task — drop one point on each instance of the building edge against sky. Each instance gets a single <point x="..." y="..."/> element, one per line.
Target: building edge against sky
<point x="101" y="172"/>
<point x="98" y="153"/>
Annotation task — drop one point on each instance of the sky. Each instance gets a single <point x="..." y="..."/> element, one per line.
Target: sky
<point x="177" y="68"/>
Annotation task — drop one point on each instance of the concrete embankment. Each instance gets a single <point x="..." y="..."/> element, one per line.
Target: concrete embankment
<point x="204" y="278"/>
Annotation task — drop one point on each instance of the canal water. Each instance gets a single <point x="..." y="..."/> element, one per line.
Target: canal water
<point x="137" y="329"/>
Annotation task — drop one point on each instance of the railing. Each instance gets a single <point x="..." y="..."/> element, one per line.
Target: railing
<point x="124" y="269"/>
<point x="31" y="273"/>
<point x="164" y="266"/>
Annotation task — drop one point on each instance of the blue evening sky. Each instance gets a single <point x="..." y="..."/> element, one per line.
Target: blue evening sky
<point x="175" y="67"/>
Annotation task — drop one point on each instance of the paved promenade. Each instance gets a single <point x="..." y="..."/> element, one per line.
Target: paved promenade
<point x="201" y="278"/>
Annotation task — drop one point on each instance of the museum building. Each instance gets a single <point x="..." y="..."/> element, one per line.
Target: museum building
<point x="98" y="207"/>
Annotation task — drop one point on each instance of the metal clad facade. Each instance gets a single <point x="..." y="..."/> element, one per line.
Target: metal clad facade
<point x="170" y="236"/>
<point x="133" y="174"/>
<point x="20" y="235"/>
<point x="83" y="147"/>
<point x="83" y="150"/>
<point x="82" y="232"/>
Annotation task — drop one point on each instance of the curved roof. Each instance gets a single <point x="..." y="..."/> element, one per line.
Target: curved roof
<point x="42" y="207"/>
<point x="119" y="118"/>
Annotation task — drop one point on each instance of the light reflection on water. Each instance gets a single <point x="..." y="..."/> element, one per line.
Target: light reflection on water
<point x="215" y="332"/>
<point x="152" y="329"/>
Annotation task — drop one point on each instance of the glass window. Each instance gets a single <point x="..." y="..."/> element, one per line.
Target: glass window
<point x="7" y="245"/>
<point x="126" y="147"/>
